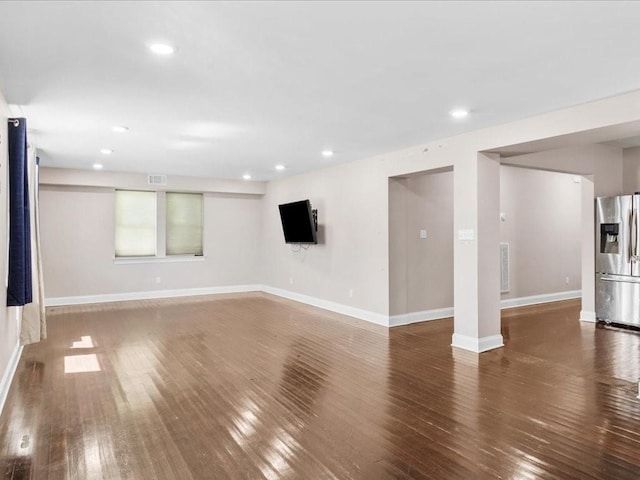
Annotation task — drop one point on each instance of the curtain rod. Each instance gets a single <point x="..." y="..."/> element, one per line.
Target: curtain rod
<point x="15" y="121"/>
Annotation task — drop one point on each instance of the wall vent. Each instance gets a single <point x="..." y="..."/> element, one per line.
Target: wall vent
<point x="157" y="179"/>
<point x="505" y="283"/>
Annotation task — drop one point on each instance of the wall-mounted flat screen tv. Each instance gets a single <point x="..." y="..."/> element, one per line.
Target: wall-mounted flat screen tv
<point x="298" y="222"/>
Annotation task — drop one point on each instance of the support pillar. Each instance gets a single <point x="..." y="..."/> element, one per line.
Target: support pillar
<point x="477" y="253"/>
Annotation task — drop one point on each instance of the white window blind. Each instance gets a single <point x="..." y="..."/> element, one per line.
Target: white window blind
<point x="135" y="223"/>
<point x="184" y="223"/>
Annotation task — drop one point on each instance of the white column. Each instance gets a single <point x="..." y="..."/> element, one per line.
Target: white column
<point x="588" y="311"/>
<point x="477" y="253"/>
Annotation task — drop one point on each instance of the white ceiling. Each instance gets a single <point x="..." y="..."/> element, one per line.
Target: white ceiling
<point x="256" y="84"/>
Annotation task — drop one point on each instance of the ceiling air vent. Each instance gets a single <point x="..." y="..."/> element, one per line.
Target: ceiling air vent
<point x="157" y="179"/>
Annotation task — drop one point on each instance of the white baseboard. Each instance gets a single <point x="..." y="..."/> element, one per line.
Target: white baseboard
<point x="439" y="313"/>
<point x="423" y="316"/>
<point x="366" y="315"/>
<point x="120" y="297"/>
<point x="477" y="345"/>
<point x="536" y="299"/>
<point x="587" y="316"/>
<point x="9" y="372"/>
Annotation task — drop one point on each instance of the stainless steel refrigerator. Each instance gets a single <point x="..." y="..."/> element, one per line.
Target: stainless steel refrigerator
<point x="618" y="259"/>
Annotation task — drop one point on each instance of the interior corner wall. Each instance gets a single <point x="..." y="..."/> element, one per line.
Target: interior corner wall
<point x="77" y="231"/>
<point x="631" y="170"/>
<point x="542" y="225"/>
<point x="398" y="226"/>
<point x="421" y="269"/>
<point x="348" y="266"/>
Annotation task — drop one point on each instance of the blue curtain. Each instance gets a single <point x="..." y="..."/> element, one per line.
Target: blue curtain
<point x="19" y="289"/>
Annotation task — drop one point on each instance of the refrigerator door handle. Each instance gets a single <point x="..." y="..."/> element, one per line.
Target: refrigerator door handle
<point x="632" y="235"/>
<point x="605" y="278"/>
<point x="636" y="253"/>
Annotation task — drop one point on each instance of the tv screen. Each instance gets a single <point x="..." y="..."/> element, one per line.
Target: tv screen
<point x="298" y="223"/>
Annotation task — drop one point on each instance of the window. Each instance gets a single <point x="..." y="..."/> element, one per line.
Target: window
<point x="157" y="224"/>
<point x="184" y="223"/>
<point x="135" y="223"/>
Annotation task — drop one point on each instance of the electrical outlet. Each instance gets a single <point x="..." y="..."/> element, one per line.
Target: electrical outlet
<point x="291" y="280"/>
<point x="423" y="233"/>
<point x="158" y="279"/>
<point x="351" y="292"/>
<point x="566" y="281"/>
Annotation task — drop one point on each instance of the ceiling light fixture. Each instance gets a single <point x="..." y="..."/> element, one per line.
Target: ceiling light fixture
<point x="280" y="167"/>
<point x="327" y="153"/>
<point x="119" y="128"/>
<point x="106" y="151"/>
<point x="246" y="176"/>
<point x="97" y="166"/>
<point x="459" y="113"/>
<point x="163" y="49"/>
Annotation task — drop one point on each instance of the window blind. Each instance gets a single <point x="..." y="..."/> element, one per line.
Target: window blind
<point x="184" y="223"/>
<point x="135" y="223"/>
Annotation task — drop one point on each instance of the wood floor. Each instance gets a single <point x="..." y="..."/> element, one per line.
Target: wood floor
<point x="250" y="386"/>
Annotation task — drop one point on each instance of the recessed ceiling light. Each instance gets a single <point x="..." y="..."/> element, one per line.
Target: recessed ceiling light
<point x="161" y="48"/>
<point x="246" y="176"/>
<point x="459" y="113"/>
<point x="120" y="128"/>
<point x="327" y="153"/>
<point x="280" y="167"/>
<point x="106" y="151"/>
<point x="97" y="166"/>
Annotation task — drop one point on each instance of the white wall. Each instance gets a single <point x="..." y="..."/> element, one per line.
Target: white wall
<point x="543" y="228"/>
<point x="9" y="317"/>
<point x="353" y="203"/>
<point x="422" y="269"/>
<point x="78" y="246"/>
<point x="604" y="162"/>
<point x="631" y="169"/>
<point x="349" y="265"/>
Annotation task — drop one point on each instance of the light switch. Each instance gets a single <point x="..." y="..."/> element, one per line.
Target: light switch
<point x="466" y="234"/>
<point x="423" y="234"/>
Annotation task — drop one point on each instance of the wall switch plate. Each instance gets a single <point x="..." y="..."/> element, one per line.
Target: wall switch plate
<point x="423" y="234"/>
<point x="466" y="234"/>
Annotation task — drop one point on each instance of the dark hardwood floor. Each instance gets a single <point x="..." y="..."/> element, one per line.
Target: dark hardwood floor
<point x="250" y="386"/>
